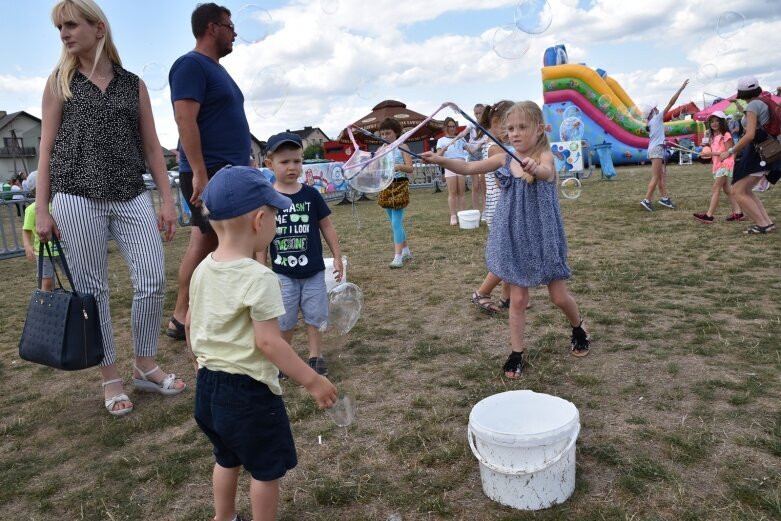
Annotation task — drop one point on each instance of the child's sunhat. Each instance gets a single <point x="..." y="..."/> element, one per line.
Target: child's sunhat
<point x="238" y="190"/>
<point x="717" y="114"/>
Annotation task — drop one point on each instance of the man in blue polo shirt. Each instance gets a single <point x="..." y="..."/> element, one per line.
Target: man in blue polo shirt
<point x="213" y="132"/>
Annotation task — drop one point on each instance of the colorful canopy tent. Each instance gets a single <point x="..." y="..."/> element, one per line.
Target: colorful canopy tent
<point x="729" y="106"/>
<point x="681" y="110"/>
<point x="399" y="111"/>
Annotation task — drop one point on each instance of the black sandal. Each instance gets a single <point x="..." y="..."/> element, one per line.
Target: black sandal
<point x="514" y="365"/>
<point x="504" y="304"/>
<point x="489" y="307"/>
<point x="580" y="342"/>
<point x="177" y="332"/>
<point x="757" y="229"/>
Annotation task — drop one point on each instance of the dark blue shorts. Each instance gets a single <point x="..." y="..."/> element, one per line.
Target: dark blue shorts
<point x="246" y="423"/>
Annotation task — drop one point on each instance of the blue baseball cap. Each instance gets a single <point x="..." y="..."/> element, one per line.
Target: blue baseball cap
<point x="238" y="190"/>
<point x="276" y="140"/>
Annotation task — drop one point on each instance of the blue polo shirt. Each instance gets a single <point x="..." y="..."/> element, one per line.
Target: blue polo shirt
<point x="225" y="136"/>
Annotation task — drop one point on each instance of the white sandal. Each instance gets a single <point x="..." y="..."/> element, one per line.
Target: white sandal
<point x="111" y="402"/>
<point x="166" y="387"/>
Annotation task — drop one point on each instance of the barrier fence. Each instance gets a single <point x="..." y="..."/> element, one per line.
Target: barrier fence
<point x="12" y="210"/>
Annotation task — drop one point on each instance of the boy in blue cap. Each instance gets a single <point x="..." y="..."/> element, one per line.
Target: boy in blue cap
<point x="296" y="251"/>
<point x="234" y="336"/>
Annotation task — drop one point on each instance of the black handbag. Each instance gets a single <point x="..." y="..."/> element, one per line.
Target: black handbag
<point x="62" y="329"/>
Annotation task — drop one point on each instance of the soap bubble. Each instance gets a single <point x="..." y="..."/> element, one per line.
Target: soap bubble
<point x="345" y="302"/>
<point x="730" y="24"/>
<point x="510" y="42"/>
<point x="724" y="47"/>
<point x="573" y="111"/>
<point x="571" y="129"/>
<point x="605" y="101"/>
<point x="367" y="89"/>
<point x="343" y="411"/>
<point x="329" y="6"/>
<point x="371" y="177"/>
<point x="269" y="91"/>
<point x="636" y="112"/>
<point x="707" y="73"/>
<point x="253" y="24"/>
<point x="533" y="16"/>
<point x="155" y="76"/>
<point x="570" y="188"/>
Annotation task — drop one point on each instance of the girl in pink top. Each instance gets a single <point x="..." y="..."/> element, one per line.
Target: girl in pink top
<point x="720" y="140"/>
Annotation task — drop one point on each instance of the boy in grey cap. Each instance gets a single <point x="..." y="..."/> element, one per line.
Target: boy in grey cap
<point x="234" y="337"/>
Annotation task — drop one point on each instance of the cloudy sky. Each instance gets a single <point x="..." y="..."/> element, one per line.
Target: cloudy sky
<point x="325" y="63"/>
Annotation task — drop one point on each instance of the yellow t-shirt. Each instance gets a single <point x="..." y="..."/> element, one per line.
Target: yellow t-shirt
<point x="225" y="297"/>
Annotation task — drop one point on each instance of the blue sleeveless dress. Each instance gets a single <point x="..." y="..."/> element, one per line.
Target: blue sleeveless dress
<point x="526" y="242"/>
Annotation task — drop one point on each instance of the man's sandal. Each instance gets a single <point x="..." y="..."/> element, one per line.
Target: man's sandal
<point x="479" y="300"/>
<point x="110" y="403"/>
<point x="176" y="332"/>
<point x="166" y="387"/>
<point x="513" y="367"/>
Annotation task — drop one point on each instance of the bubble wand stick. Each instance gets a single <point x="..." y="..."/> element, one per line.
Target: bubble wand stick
<point x="485" y="131"/>
<point x="375" y="136"/>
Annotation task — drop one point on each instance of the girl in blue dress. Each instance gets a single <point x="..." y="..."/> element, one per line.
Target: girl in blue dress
<point x="526" y="243"/>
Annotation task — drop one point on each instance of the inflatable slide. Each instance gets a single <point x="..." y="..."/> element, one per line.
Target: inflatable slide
<point x="584" y="104"/>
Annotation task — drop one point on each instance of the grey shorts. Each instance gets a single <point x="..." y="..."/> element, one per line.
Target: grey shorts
<point x="308" y="295"/>
<point x="656" y="152"/>
<point x="48" y="269"/>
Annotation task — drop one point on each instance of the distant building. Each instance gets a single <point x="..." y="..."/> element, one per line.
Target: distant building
<point x="21" y="141"/>
<point x="311" y="136"/>
<point x="258" y="150"/>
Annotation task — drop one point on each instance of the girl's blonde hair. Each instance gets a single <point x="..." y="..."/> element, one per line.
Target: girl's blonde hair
<point x="60" y="79"/>
<point x="531" y="113"/>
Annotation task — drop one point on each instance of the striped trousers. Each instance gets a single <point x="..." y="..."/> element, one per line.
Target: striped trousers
<point x="84" y="226"/>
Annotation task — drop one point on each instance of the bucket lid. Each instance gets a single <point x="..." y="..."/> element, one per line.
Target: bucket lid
<point x="524" y="414"/>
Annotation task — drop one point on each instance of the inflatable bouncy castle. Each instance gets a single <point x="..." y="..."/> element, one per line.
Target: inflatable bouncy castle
<point x="585" y="104"/>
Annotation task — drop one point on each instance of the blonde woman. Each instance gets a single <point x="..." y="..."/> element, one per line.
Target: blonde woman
<point x="97" y="135"/>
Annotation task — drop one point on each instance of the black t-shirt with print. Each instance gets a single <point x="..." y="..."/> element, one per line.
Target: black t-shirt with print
<point x="297" y="250"/>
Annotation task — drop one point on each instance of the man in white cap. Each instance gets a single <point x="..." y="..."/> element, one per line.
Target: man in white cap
<point x="655" y="121"/>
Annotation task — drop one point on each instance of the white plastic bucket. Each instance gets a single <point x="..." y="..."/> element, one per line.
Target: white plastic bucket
<point x="468" y="219"/>
<point x="525" y="443"/>
<point x="330" y="281"/>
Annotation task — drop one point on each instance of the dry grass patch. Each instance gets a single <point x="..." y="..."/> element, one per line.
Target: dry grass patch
<point x="679" y="399"/>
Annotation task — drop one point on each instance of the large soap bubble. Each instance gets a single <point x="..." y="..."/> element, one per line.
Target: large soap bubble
<point x="329" y="7"/>
<point x="571" y="129"/>
<point x="730" y="24"/>
<point x="253" y="24"/>
<point x="155" y="76"/>
<point x="510" y="42"/>
<point x="573" y="111"/>
<point x="345" y="303"/>
<point x="570" y="188"/>
<point x="371" y="177"/>
<point x="605" y="101"/>
<point x="707" y="73"/>
<point x="269" y="91"/>
<point x="533" y="16"/>
<point x="343" y="411"/>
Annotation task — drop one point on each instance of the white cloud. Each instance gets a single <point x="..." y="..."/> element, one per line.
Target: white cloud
<point x="338" y="66"/>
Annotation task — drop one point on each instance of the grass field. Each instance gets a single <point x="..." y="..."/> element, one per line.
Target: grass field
<point x="680" y="398"/>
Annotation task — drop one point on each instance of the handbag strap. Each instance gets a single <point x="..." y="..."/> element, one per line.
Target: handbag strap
<point x="64" y="262"/>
